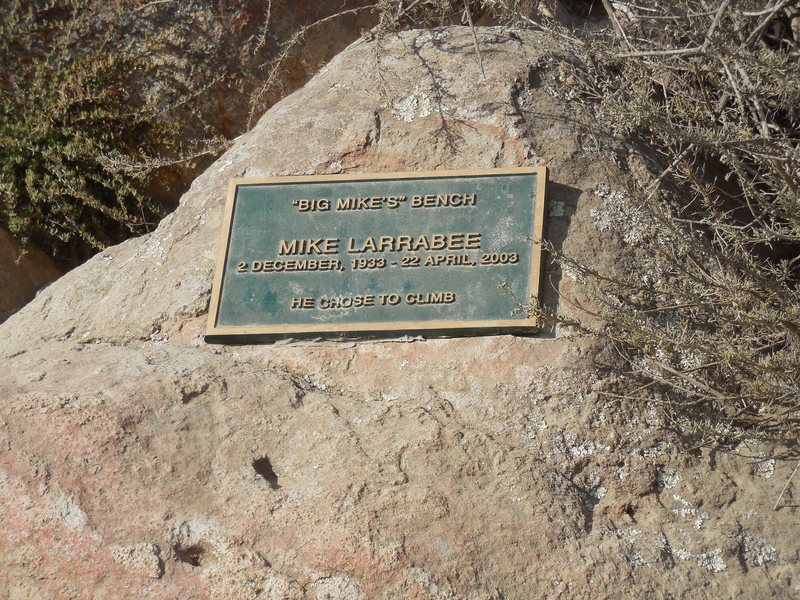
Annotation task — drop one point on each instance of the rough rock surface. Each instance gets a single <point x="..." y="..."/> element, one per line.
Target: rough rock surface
<point x="21" y="276"/>
<point x="137" y="461"/>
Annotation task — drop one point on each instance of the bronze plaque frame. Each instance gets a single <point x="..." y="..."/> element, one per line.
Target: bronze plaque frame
<point x="266" y="332"/>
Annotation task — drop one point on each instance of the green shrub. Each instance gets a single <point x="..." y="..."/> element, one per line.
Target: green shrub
<point x="78" y="143"/>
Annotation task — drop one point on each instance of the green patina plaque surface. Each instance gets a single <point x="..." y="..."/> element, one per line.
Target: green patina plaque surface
<point x="444" y="252"/>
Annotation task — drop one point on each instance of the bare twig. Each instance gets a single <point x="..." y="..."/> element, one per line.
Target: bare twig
<point x="715" y="23"/>
<point x="153" y="3"/>
<point x="756" y="33"/>
<point x="689" y="379"/>
<point x="693" y="51"/>
<point x="612" y="15"/>
<point x="552" y="29"/>
<point x="697" y="50"/>
<point x="653" y="187"/>
<point x="786" y="487"/>
<point x="468" y="14"/>
<point x="758" y="13"/>
<point x="263" y="30"/>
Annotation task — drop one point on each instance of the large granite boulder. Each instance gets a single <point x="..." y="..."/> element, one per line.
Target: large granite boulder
<point x="139" y="462"/>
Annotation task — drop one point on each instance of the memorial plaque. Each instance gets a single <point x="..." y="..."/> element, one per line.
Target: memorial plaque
<point x="435" y="253"/>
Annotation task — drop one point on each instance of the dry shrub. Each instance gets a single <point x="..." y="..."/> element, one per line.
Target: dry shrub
<point x="705" y="303"/>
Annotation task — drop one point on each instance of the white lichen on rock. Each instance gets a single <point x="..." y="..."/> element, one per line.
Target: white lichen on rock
<point x="764" y="467"/>
<point x="757" y="552"/>
<point x="687" y="511"/>
<point x="667" y="478"/>
<point x="619" y="213"/>
<point x="416" y="104"/>
<point x="711" y="560"/>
